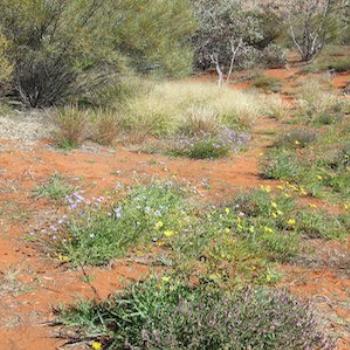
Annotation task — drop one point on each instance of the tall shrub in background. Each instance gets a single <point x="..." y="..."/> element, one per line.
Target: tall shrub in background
<point x="71" y="48"/>
<point x="53" y="42"/>
<point x="231" y="34"/>
<point x="155" y="35"/>
<point x="312" y="24"/>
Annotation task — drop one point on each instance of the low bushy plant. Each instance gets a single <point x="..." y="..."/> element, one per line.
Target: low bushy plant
<point x="267" y="83"/>
<point x="280" y="164"/>
<point x="168" y="314"/>
<point x="274" y="56"/>
<point x="296" y="138"/>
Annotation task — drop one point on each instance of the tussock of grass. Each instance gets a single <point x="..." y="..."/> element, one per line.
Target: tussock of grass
<point x="169" y="314"/>
<point x="55" y="189"/>
<point x="186" y="107"/>
<point x="319" y="104"/>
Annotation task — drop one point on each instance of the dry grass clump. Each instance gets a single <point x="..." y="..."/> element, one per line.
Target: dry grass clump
<point x="318" y="102"/>
<point x="166" y="109"/>
<point x="172" y="107"/>
<point x="71" y="127"/>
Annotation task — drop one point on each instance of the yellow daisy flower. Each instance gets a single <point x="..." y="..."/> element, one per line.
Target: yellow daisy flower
<point x="96" y="345"/>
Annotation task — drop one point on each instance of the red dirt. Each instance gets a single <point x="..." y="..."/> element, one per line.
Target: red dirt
<point x="340" y="81"/>
<point x="43" y="283"/>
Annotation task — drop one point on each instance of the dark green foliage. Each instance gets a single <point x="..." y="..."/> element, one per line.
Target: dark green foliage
<point x="206" y="148"/>
<point x="266" y="83"/>
<point x="170" y="315"/>
<point x="70" y="50"/>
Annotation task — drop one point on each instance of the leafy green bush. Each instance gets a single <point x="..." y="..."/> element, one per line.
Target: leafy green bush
<point x="274" y="56"/>
<point x="71" y="50"/>
<point x="5" y="66"/>
<point x="318" y="102"/>
<point x="171" y="315"/>
<point x="208" y="149"/>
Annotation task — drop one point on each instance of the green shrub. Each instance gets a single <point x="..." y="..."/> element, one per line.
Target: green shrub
<point x="296" y="138"/>
<point x="280" y="165"/>
<point x="317" y="103"/>
<point x="318" y="224"/>
<point x="202" y="148"/>
<point x="274" y="57"/>
<point x="267" y="83"/>
<point x="70" y="51"/>
<point x="171" y="315"/>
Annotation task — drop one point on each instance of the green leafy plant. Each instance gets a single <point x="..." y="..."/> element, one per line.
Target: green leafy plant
<point x="55" y="189"/>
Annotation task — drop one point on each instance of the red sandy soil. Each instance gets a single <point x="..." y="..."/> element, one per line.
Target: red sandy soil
<point x="40" y="283"/>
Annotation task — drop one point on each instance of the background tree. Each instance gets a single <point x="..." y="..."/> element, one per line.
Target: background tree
<point x="61" y="49"/>
<point x="155" y="35"/>
<point x="230" y="33"/>
<point x="312" y="23"/>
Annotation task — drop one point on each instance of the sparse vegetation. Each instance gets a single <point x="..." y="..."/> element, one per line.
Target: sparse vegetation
<point x="56" y="188"/>
<point x="211" y="243"/>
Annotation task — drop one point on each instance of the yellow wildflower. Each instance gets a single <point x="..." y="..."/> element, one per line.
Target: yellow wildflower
<point x="227" y="230"/>
<point x="63" y="258"/>
<point x="158" y="225"/>
<point x="313" y="206"/>
<point x="279" y="212"/>
<point x="297" y="142"/>
<point x="274" y="205"/>
<point x="274" y="215"/>
<point x="292" y="222"/>
<point x="346" y="206"/>
<point x="96" y="345"/>
<point x="266" y="189"/>
<point x="280" y="187"/>
<point x="169" y="233"/>
<point x="166" y="279"/>
<point x="319" y="177"/>
<point x="227" y="210"/>
<point x="302" y="191"/>
<point x="268" y="229"/>
<point x="251" y="229"/>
